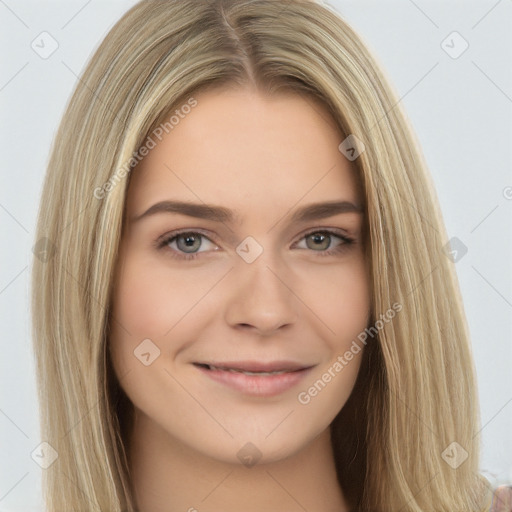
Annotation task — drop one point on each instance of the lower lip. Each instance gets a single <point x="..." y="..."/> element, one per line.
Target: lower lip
<point x="257" y="385"/>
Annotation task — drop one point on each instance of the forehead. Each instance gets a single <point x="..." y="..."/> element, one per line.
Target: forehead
<point x="241" y="148"/>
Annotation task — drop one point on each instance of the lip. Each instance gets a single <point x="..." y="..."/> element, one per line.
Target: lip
<point x="257" y="366"/>
<point x="256" y="385"/>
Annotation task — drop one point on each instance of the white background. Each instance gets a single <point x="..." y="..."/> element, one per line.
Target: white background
<point x="460" y="109"/>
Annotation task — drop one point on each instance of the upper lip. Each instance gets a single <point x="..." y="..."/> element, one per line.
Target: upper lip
<point x="257" y="366"/>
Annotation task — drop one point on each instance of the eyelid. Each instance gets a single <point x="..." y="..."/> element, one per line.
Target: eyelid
<point x="167" y="237"/>
<point x="206" y="233"/>
<point x="346" y="240"/>
<point x="342" y="233"/>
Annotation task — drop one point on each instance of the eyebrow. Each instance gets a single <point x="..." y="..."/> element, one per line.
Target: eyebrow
<point x="215" y="213"/>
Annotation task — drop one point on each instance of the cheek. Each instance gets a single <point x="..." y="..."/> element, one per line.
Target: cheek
<point x="152" y="301"/>
<point x="148" y="300"/>
<point x="342" y="310"/>
<point x="142" y="307"/>
<point x="340" y="297"/>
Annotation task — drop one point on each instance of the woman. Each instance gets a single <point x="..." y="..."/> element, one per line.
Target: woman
<point x="249" y="302"/>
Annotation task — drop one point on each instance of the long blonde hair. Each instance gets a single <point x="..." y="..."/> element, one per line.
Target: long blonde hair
<point x="416" y="391"/>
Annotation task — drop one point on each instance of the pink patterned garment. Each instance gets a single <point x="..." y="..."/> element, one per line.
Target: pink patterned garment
<point x="502" y="499"/>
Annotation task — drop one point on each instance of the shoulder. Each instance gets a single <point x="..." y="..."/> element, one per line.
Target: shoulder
<point x="502" y="499"/>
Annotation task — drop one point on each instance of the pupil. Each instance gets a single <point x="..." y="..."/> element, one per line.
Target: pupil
<point x="318" y="238"/>
<point x="190" y="242"/>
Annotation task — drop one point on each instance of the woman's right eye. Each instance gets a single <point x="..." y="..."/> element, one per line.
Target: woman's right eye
<point x="185" y="244"/>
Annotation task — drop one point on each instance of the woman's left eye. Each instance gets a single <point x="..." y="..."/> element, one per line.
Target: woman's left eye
<point x="318" y="240"/>
<point x="186" y="244"/>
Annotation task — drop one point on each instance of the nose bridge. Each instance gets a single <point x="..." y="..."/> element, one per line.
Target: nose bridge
<point x="261" y="297"/>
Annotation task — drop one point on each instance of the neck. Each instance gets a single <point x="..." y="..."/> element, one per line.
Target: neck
<point x="169" y="476"/>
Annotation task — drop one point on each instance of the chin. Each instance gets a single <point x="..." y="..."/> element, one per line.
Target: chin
<point x="255" y="446"/>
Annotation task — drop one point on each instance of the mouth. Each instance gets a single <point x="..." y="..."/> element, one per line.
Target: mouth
<point x="256" y="378"/>
<point x="255" y="367"/>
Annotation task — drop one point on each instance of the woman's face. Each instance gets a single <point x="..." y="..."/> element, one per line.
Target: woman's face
<point x="254" y="283"/>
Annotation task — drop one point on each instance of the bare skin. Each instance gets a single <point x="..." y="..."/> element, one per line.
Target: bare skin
<point x="199" y="444"/>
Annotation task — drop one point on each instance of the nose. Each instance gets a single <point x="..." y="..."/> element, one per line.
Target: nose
<point x="262" y="299"/>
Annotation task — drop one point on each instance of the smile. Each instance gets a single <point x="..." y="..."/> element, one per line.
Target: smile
<point x="254" y="378"/>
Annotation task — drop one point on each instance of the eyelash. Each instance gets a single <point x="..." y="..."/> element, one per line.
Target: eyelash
<point x="162" y="242"/>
